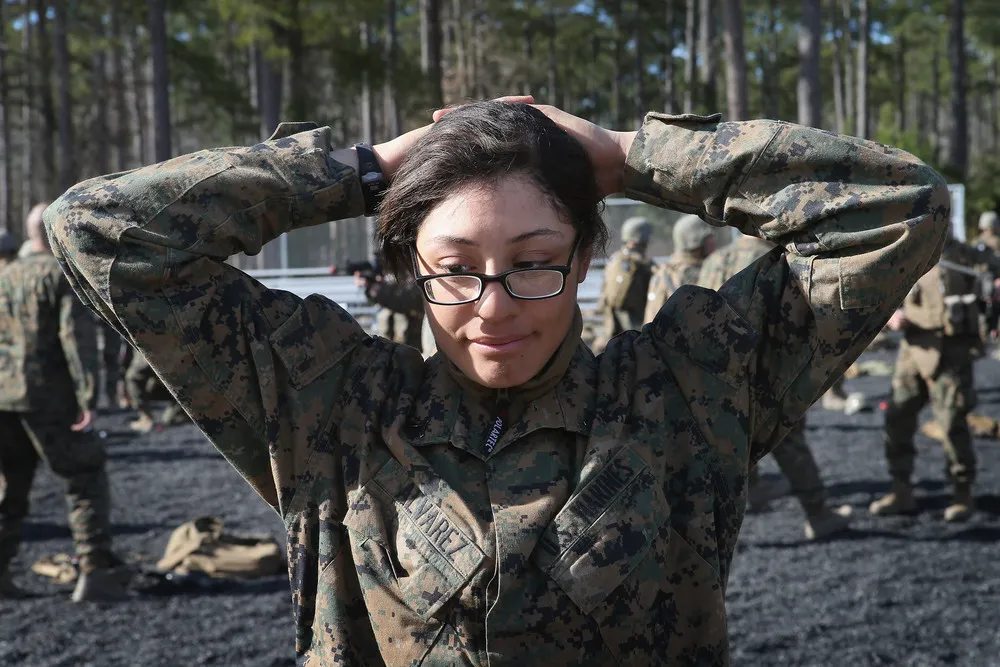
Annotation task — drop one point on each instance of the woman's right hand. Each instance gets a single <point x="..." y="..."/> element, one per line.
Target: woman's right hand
<point x="607" y="149"/>
<point x="391" y="153"/>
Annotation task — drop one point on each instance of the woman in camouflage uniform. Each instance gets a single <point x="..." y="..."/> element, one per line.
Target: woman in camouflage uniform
<point x="514" y="499"/>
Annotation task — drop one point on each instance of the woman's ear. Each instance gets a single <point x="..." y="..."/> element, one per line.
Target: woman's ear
<point x="584" y="263"/>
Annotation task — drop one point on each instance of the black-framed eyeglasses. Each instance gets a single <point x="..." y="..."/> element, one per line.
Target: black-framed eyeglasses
<point x="531" y="284"/>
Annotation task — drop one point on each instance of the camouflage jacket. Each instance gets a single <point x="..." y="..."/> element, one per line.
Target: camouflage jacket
<point x="680" y="269"/>
<point x="625" y="282"/>
<point x="48" y="340"/>
<point x="595" y="526"/>
<point x="726" y="262"/>
<point x="943" y="310"/>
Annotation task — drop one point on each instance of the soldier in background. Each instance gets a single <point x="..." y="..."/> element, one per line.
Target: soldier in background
<point x="401" y="317"/>
<point x="8" y="248"/>
<point x="793" y="456"/>
<point x="940" y="318"/>
<point x="111" y="351"/>
<point x="694" y="240"/>
<point x="48" y="358"/>
<point x="989" y="231"/>
<point x="625" y="288"/>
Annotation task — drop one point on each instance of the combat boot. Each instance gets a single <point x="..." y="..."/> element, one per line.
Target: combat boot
<point x="899" y="500"/>
<point x="828" y="522"/>
<point x="144" y="424"/>
<point x="962" y="506"/>
<point x="9" y="590"/>
<point x="173" y="415"/>
<point x="106" y="584"/>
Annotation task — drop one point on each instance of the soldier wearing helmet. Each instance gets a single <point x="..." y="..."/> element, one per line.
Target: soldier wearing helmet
<point x="693" y="242"/>
<point x="626" y="282"/>
<point x="989" y="231"/>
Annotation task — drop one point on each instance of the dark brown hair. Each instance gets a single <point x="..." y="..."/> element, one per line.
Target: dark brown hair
<point x="481" y="143"/>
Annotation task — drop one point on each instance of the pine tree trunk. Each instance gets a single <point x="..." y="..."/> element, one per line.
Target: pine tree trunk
<point x="640" y="66"/>
<point x="861" y="113"/>
<point x="122" y="132"/>
<point x="461" y="70"/>
<point x="140" y="92"/>
<point x="28" y="120"/>
<point x="49" y="129"/>
<point x="709" y="55"/>
<point x="390" y="108"/>
<point x="617" y="103"/>
<point x="430" y="49"/>
<point x="901" y="116"/>
<point x="528" y="55"/>
<point x="737" y="97"/>
<point x="690" y="65"/>
<point x="810" y="109"/>
<point x="367" y="108"/>
<point x="846" y="46"/>
<point x="837" y="66"/>
<point x="994" y="102"/>
<point x="161" y="79"/>
<point x="300" y="103"/>
<point x="936" y="102"/>
<point x="270" y="86"/>
<point x="553" y="72"/>
<point x="67" y="162"/>
<point x="669" y="84"/>
<point x="958" y="143"/>
<point x="6" y="151"/>
<point x="101" y="136"/>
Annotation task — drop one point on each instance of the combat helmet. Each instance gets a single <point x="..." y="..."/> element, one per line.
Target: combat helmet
<point x="690" y="232"/>
<point x="637" y="229"/>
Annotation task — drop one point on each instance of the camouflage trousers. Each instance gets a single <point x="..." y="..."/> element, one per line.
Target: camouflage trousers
<point x="952" y="396"/>
<point x="111" y="350"/>
<point x="796" y="462"/>
<point x="142" y="384"/>
<point x="400" y="327"/>
<point x="77" y="458"/>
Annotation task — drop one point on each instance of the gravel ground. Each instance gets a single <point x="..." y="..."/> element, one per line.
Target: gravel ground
<point x="906" y="591"/>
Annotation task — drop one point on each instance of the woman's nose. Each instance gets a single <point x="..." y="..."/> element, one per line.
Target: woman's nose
<point x="495" y="303"/>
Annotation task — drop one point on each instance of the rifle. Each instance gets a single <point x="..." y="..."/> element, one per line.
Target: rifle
<point x="364" y="267"/>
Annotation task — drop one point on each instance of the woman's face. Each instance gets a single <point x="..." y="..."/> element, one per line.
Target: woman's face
<point x="500" y="341"/>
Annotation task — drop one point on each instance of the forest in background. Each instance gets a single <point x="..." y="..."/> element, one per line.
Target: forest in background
<point x="89" y="87"/>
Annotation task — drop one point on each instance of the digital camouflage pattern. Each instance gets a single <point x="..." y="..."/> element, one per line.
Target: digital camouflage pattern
<point x="596" y="524"/>
<point x="793" y="456"/>
<point x="941" y="341"/>
<point x="726" y="262"/>
<point x="48" y="340"/>
<point x="48" y="362"/>
<point x="682" y="268"/>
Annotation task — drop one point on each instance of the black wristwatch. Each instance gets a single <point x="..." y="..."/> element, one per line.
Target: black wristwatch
<point x="373" y="183"/>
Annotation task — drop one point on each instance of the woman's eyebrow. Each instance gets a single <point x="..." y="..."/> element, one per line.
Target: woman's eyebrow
<point x="461" y="240"/>
<point x="543" y="232"/>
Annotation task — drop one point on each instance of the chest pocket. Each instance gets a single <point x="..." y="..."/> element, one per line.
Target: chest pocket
<point x="612" y="551"/>
<point x="408" y="553"/>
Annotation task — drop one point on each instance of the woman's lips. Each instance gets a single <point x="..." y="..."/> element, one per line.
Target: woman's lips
<point x="498" y="344"/>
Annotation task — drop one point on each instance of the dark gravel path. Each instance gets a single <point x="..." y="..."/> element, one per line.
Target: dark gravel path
<point x="909" y="591"/>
